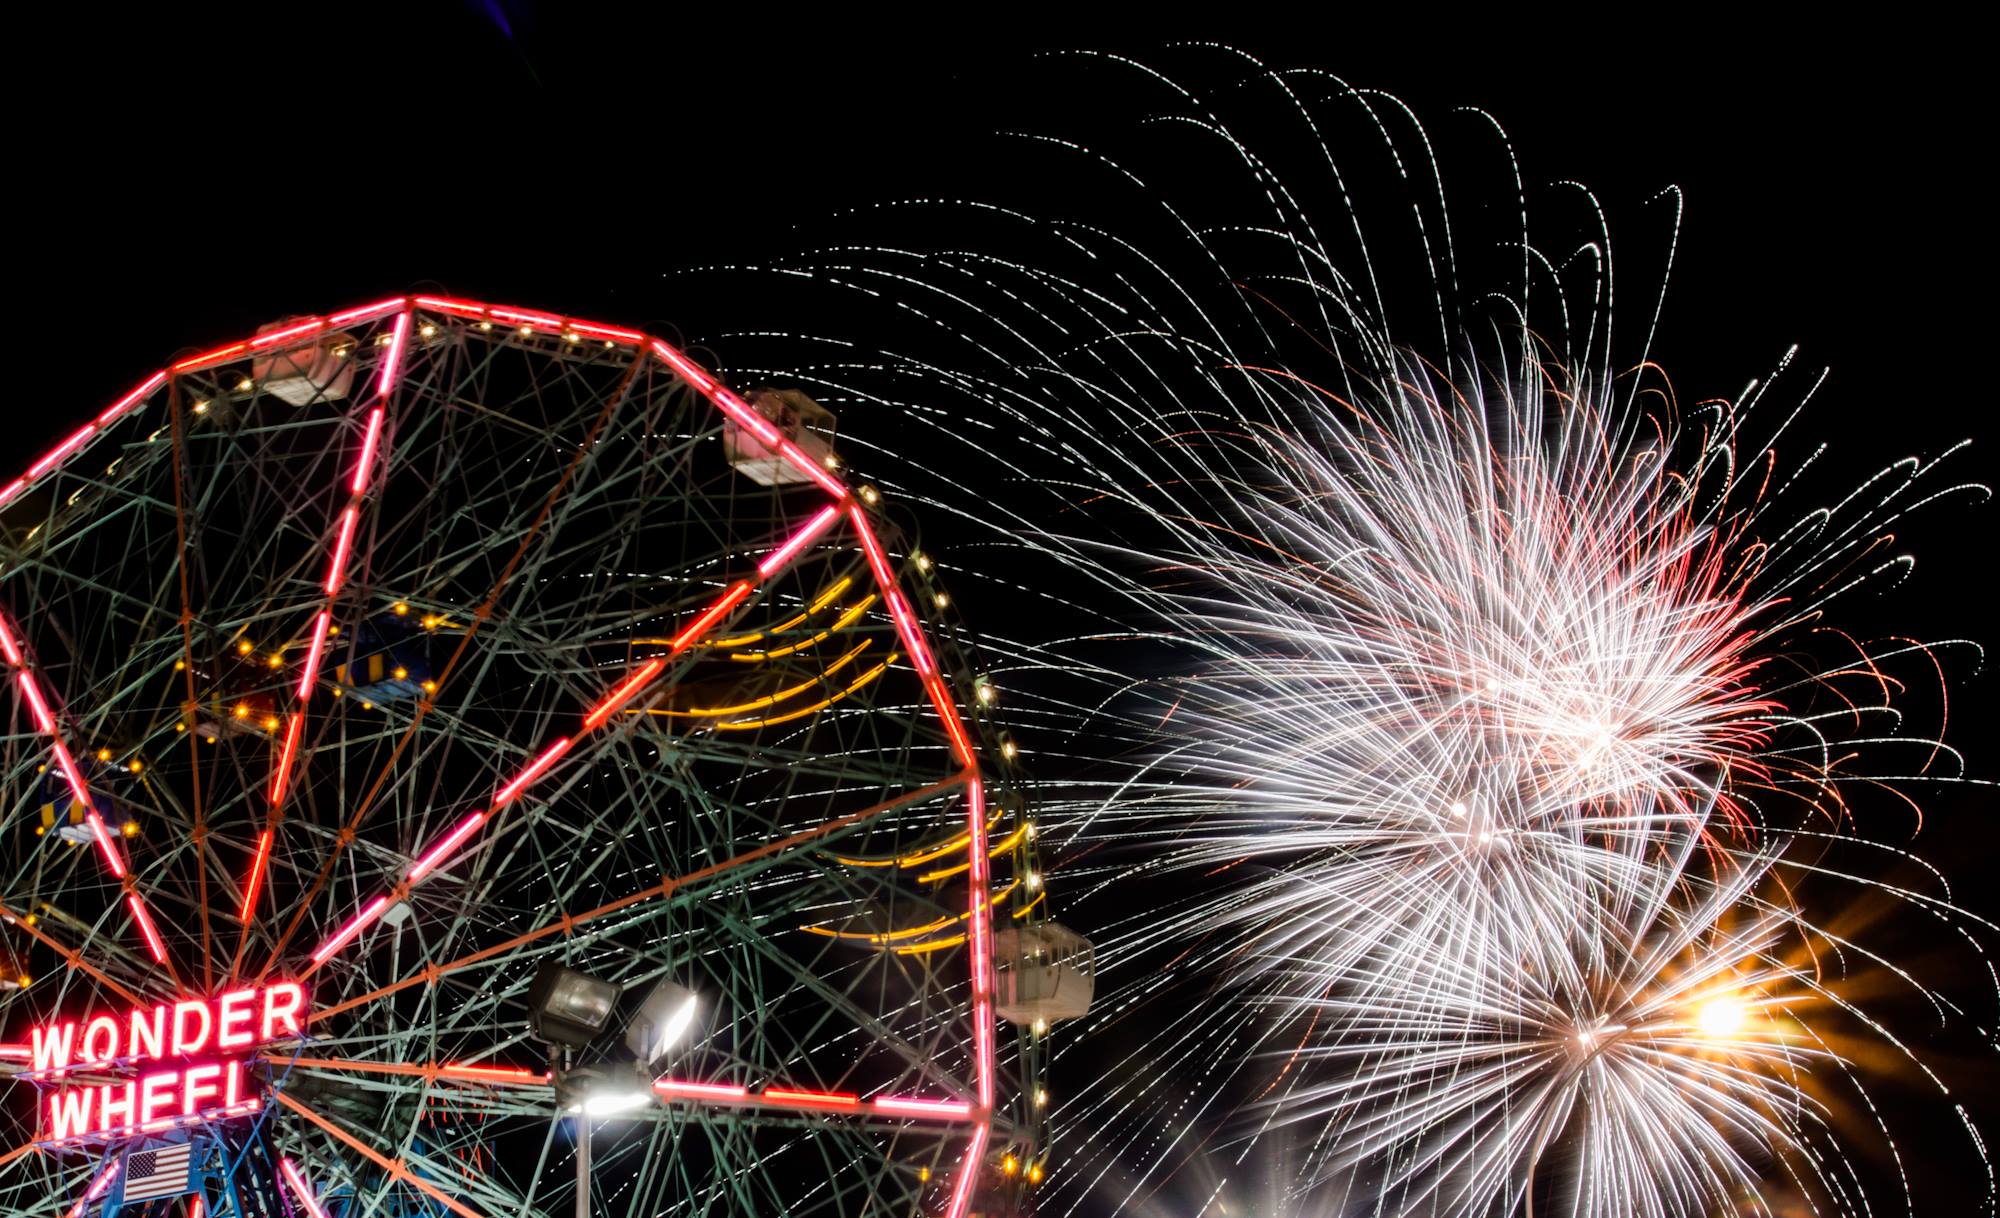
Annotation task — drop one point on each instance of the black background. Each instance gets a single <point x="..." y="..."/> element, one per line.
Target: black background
<point x="175" y="180"/>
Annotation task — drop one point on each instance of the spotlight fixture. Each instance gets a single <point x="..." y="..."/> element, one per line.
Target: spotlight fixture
<point x="566" y="1007"/>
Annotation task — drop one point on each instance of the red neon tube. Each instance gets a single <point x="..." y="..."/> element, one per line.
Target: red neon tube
<point x="746" y="415"/>
<point x="623" y="694"/>
<point x="714" y="613"/>
<point x="446" y="304"/>
<point x="438" y="853"/>
<point x="256" y="875"/>
<point x="519" y="317"/>
<point x="310" y="673"/>
<point x="980" y="915"/>
<point x="8" y="646"/>
<point x="209" y="357"/>
<point x="610" y="332"/>
<point x="535" y="770"/>
<point x="504" y="1076"/>
<point x="281" y="777"/>
<point x="829" y="1099"/>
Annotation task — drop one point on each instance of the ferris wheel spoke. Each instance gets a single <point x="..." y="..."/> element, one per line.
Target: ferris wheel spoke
<point x="480" y="615"/>
<point x="394" y="1168"/>
<point x="617" y="698"/>
<point x="358" y="482"/>
<point x="13" y="648"/>
<point x="686" y="887"/>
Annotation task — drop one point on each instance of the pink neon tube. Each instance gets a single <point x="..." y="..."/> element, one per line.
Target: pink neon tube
<point x="64" y="449"/>
<point x="693" y="375"/>
<point x="968" y="1173"/>
<point x="150" y="932"/>
<point x="672" y="1089"/>
<point x="451" y="841"/>
<point x="210" y="357"/>
<point x="368" y="442"/>
<point x="131" y="399"/>
<point x="549" y="757"/>
<point x="278" y="336"/>
<point x="39" y="709"/>
<point x="97" y="1188"/>
<point x="336" y="571"/>
<point x="355" y="925"/>
<point x="799" y="541"/>
<point x="393" y="362"/>
<point x="980" y="914"/>
<point x="951" y="1110"/>
<point x="310" y="672"/>
<point x="365" y="311"/>
<point x="301" y="1191"/>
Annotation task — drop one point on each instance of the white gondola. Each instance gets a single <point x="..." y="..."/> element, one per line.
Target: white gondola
<point x="302" y="375"/>
<point x="797" y="418"/>
<point x="1042" y="974"/>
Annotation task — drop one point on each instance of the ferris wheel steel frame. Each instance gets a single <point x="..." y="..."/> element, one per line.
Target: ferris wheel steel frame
<point x="502" y="1089"/>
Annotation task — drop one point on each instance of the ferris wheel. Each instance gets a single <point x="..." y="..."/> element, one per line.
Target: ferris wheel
<point x="440" y="731"/>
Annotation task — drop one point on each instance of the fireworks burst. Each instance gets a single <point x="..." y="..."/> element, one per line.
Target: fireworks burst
<point x="1478" y="698"/>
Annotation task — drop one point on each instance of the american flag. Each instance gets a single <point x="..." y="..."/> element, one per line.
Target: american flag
<point x="157" y="1171"/>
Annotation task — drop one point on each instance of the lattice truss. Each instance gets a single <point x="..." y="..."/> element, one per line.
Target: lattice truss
<point x="494" y="659"/>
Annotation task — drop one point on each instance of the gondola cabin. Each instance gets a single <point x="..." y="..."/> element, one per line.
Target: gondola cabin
<point x="387" y="660"/>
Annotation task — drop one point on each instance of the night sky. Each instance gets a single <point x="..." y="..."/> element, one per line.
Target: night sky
<point x="175" y="184"/>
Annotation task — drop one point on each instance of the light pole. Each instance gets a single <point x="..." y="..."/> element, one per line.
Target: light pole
<point x="567" y="1010"/>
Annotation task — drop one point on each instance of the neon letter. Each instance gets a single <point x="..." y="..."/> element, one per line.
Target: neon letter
<point x="149" y="1039"/>
<point x="69" y="1112"/>
<point x="52" y="1046"/>
<point x="184" y="1044"/>
<point x="118" y="1100"/>
<point x="109" y="1040"/>
<point x="234" y="1014"/>
<point x="281" y="1006"/>
<point x="156" y="1094"/>
<point x="197" y="1085"/>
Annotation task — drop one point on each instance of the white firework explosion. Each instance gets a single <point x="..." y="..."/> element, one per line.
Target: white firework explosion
<point x="1478" y="706"/>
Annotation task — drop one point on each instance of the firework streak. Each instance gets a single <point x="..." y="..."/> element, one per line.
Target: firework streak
<point x="1477" y="699"/>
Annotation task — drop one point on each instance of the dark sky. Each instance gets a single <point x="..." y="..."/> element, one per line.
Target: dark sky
<point x="177" y="181"/>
